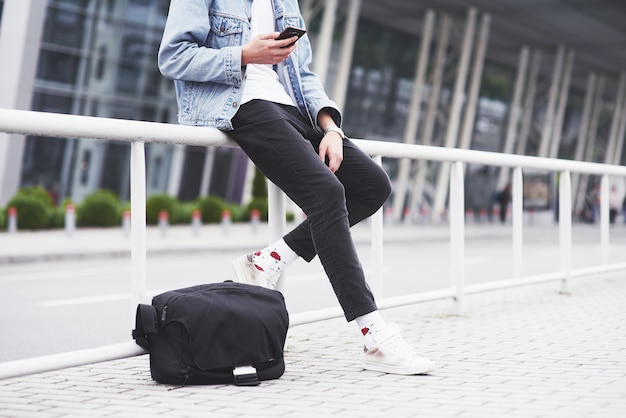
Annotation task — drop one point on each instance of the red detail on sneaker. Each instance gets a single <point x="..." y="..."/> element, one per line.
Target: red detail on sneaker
<point x="365" y="330"/>
<point x="275" y="255"/>
<point x="258" y="253"/>
<point x="258" y="267"/>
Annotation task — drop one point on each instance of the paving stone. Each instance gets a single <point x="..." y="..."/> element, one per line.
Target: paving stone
<point x="524" y="352"/>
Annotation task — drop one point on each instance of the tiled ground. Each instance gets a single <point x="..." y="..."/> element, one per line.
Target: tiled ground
<point x="521" y="352"/>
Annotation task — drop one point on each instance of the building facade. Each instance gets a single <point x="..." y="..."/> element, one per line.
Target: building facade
<point x="98" y="58"/>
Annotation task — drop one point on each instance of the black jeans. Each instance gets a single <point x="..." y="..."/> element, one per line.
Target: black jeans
<point x="283" y="145"/>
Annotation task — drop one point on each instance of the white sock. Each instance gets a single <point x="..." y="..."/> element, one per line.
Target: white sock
<point x="370" y="324"/>
<point x="274" y="258"/>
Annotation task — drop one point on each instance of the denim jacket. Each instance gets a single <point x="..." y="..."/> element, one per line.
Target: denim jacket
<point x="201" y="51"/>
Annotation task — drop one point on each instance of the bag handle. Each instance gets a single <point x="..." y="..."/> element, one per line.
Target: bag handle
<point x="245" y="376"/>
<point x="146" y="323"/>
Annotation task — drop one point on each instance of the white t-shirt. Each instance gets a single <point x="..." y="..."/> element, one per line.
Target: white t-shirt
<point x="261" y="80"/>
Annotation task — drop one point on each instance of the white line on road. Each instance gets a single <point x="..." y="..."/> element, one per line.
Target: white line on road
<point x="49" y="275"/>
<point x="95" y="299"/>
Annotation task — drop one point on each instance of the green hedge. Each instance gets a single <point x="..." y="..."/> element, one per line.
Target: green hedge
<point x="32" y="213"/>
<point x="157" y="203"/>
<point x="99" y="209"/>
<point x="259" y="204"/>
<point x="211" y="208"/>
<point x="103" y="208"/>
<point x="34" y="208"/>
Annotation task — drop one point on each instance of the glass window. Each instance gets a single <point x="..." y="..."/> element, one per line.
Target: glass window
<point x="64" y="26"/>
<point x="127" y="79"/>
<point x="79" y="3"/>
<point x="115" y="168"/>
<point x="379" y="94"/>
<point x="57" y="66"/>
<point x="52" y="103"/>
<point x="154" y="79"/>
<point x="42" y="163"/>
<point x="192" y="173"/>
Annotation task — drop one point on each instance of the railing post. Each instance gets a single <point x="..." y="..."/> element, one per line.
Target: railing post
<point x="565" y="228"/>
<point x="604" y="218"/>
<point x="138" y="225"/>
<point x="276" y="210"/>
<point x="377" y="246"/>
<point x="517" y="214"/>
<point x="457" y="233"/>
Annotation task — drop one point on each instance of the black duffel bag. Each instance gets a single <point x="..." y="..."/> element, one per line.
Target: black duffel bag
<point x="214" y="334"/>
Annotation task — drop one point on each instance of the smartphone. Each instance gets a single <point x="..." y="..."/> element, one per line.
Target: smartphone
<point x="290" y="32"/>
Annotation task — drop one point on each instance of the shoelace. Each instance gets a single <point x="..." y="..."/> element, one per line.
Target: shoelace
<point x="398" y="346"/>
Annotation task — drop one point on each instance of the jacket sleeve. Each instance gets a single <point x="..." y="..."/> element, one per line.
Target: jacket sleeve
<point x="183" y="55"/>
<point x="313" y="91"/>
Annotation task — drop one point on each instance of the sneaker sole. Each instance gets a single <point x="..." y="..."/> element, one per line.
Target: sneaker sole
<point x="240" y="274"/>
<point x="377" y="367"/>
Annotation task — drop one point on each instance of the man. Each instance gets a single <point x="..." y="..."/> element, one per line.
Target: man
<point x="232" y="73"/>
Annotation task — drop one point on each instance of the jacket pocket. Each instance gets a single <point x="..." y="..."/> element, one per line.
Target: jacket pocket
<point x="225" y="31"/>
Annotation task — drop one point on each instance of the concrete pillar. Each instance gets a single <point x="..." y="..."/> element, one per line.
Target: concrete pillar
<point x="583" y="132"/>
<point x="529" y="102"/>
<point x="609" y="156"/>
<point x="455" y="114"/>
<point x="207" y="171"/>
<point x="345" y="57"/>
<point x="619" y="145"/>
<point x="307" y="10"/>
<point x="325" y="40"/>
<point x="20" y="38"/>
<point x="414" y="114"/>
<point x="443" y="36"/>
<point x="557" y="131"/>
<point x="477" y="75"/>
<point x="591" y="138"/>
<point x="176" y="170"/>
<point x="514" y="113"/>
<point x="548" y="119"/>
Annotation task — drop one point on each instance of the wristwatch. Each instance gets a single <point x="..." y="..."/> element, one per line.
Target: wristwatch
<point x="334" y="129"/>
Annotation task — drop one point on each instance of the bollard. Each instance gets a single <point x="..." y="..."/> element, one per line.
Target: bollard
<point x="126" y="223"/>
<point x="424" y="215"/>
<point x="164" y="221"/>
<point x="469" y="216"/>
<point x="70" y="219"/>
<point x="496" y="212"/>
<point x="12" y="221"/>
<point x="196" y="221"/>
<point x="226" y="221"/>
<point x="255" y="218"/>
<point x="407" y="216"/>
<point x="483" y="215"/>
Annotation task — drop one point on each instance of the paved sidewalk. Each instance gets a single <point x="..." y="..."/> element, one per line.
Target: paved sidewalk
<point x="28" y="246"/>
<point x="521" y="352"/>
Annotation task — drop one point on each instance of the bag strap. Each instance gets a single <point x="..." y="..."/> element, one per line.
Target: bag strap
<point x="146" y="323"/>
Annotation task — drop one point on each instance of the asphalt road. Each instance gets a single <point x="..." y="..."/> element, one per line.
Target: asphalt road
<point x="57" y="306"/>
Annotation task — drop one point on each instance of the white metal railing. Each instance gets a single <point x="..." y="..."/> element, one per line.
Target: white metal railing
<point x="139" y="133"/>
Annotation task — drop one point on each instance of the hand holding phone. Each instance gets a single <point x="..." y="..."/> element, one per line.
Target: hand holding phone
<point x="290" y="32"/>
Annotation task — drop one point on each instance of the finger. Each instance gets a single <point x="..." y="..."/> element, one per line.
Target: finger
<point x="322" y="153"/>
<point x="285" y="43"/>
<point x="335" y="163"/>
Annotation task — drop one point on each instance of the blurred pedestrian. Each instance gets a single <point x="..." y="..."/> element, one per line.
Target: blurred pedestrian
<point x="504" y="197"/>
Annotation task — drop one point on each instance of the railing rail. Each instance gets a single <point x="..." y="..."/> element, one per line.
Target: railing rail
<point x="139" y="133"/>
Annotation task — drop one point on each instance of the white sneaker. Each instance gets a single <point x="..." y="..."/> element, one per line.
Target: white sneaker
<point x="246" y="272"/>
<point x="393" y="355"/>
